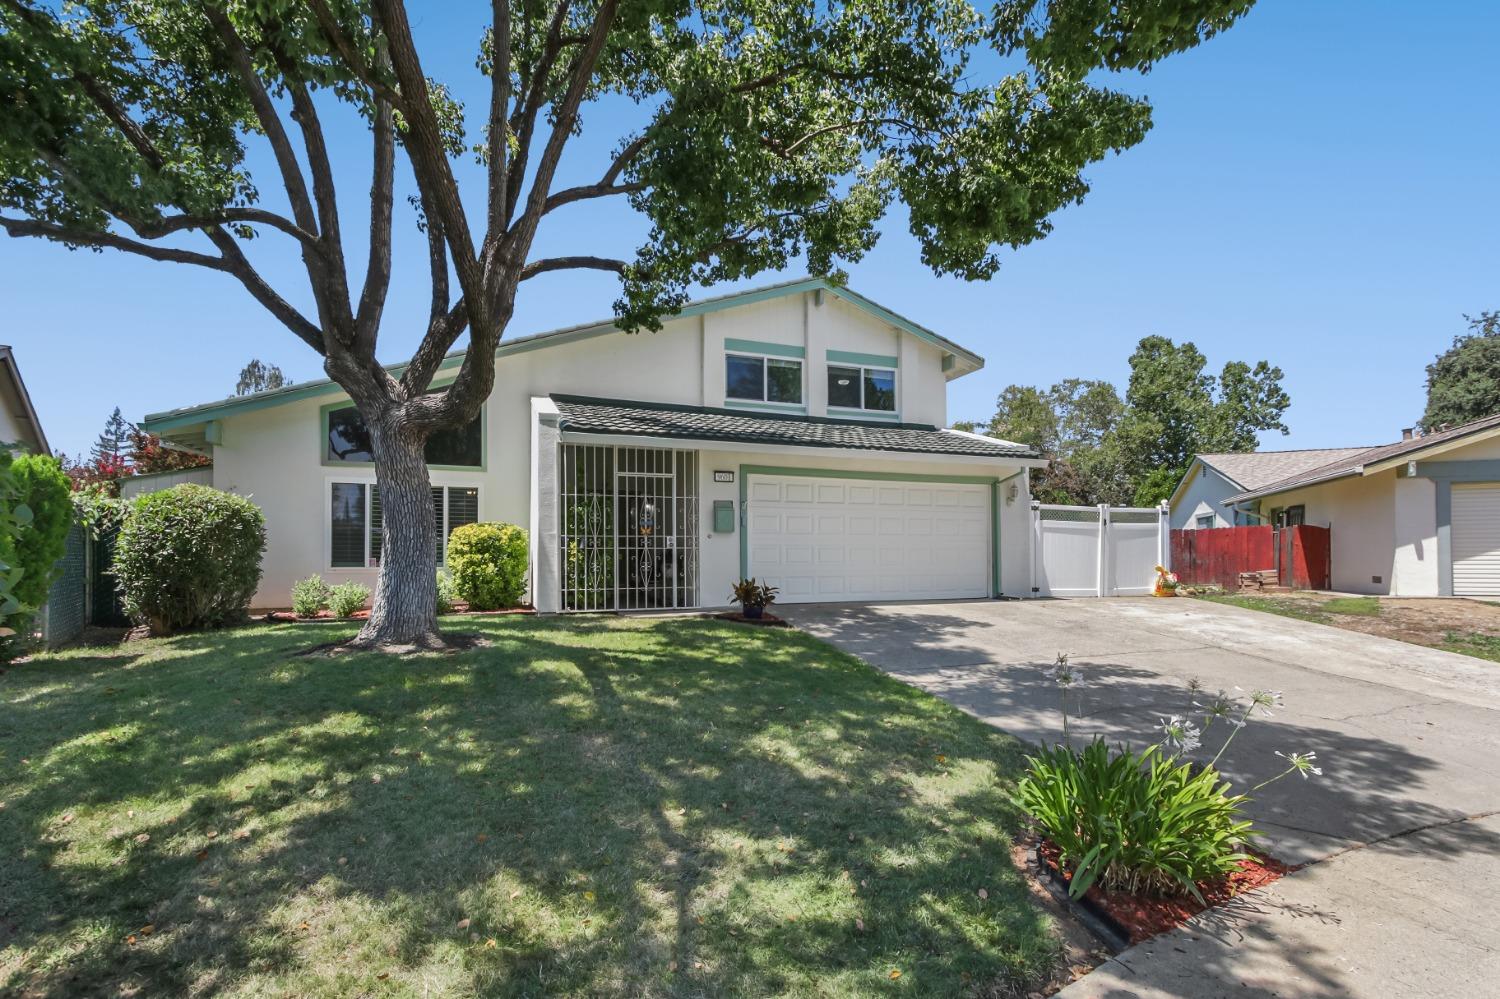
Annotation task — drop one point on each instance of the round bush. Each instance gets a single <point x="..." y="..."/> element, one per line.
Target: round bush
<point x="346" y="598"/>
<point x="189" y="557"/>
<point x="488" y="563"/>
<point x="310" y="595"/>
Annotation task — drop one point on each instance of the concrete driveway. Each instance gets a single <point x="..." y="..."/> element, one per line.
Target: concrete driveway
<point x="1401" y="834"/>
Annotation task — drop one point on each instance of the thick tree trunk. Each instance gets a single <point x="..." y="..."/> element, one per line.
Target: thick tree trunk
<point x="404" y="615"/>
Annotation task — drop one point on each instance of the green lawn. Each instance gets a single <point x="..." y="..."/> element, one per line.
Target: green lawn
<point x="594" y="807"/>
<point x="1302" y="610"/>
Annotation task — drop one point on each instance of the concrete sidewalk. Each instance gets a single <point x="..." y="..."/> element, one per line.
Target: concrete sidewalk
<point x="1401" y="833"/>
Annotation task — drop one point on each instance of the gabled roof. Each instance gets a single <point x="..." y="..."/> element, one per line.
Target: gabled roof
<point x="1371" y="460"/>
<point x="963" y="360"/>
<point x="28" y="411"/>
<point x="1251" y="469"/>
<point x="588" y="415"/>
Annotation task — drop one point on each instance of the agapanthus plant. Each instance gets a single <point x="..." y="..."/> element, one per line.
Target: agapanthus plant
<point x="1152" y="821"/>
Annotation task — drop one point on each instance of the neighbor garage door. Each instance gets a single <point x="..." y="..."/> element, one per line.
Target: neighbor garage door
<point x="852" y="539"/>
<point x="1476" y="539"/>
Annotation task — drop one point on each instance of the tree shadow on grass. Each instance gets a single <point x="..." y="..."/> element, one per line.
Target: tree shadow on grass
<point x="674" y="807"/>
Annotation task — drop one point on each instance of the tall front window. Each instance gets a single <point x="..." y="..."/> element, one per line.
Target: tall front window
<point x="762" y="379"/>
<point x="862" y="388"/>
<point x="347" y="439"/>
<point x="355" y="521"/>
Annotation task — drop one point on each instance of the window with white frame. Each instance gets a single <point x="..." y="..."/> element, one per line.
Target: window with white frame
<point x="759" y="378"/>
<point x="1205" y="521"/>
<point x="355" y="523"/>
<point x="873" y="389"/>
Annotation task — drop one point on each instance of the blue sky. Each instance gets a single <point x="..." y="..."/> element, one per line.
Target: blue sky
<point x="1321" y="189"/>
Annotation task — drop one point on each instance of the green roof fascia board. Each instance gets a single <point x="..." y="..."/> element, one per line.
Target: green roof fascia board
<point x="863" y="360"/>
<point x="193" y="415"/>
<point x="737" y="346"/>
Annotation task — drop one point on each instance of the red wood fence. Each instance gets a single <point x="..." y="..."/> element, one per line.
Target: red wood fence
<point x="1220" y="554"/>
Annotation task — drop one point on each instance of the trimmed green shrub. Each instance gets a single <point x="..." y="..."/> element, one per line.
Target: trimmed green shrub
<point x="447" y="592"/>
<point x="346" y="598"/>
<point x="488" y="562"/>
<point x="310" y="595"/>
<point x="44" y="487"/>
<point x="189" y="557"/>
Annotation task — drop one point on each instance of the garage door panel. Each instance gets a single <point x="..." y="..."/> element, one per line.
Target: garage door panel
<point x="1475" y="539"/>
<point x="823" y="539"/>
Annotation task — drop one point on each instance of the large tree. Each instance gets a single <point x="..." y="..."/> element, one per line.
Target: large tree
<point x="1175" y="409"/>
<point x="766" y="132"/>
<point x="1463" y="383"/>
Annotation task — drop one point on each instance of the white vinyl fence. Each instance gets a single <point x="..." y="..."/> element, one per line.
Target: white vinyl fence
<point x="1097" y="551"/>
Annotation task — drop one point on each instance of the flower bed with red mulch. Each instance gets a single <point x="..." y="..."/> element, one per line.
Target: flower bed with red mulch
<point x="1140" y="917"/>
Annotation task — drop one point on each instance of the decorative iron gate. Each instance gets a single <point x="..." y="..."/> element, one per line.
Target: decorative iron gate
<point x="629" y="527"/>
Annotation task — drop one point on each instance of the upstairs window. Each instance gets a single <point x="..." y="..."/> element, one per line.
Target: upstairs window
<point x="754" y="378"/>
<point x="873" y="389"/>
<point x="347" y="439"/>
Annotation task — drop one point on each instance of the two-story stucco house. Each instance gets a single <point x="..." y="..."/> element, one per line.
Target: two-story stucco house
<point x="792" y="433"/>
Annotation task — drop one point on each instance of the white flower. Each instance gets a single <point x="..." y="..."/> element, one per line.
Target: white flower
<point x="1302" y="763"/>
<point x="1064" y="674"/>
<point x="1181" y="733"/>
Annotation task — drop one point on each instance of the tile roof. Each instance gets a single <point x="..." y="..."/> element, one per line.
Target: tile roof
<point x="1356" y="463"/>
<point x="583" y="414"/>
<point x="1253" y="469"/>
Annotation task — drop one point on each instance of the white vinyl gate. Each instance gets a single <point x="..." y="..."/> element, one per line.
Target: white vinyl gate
<point x="1097" y="551"/>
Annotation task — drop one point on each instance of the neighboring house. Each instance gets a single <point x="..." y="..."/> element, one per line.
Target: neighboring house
<point x="1198" y="501"/>
<point x="792" y="433"/>
<point x="19" y="426"/>
<point x="1417" y="518"/>
<point x="154" y="482"/>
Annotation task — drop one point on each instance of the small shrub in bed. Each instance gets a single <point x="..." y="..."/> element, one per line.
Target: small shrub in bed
<point x="488" y="563"/>
<point x="346" y="598"/>
<point x="447" y="592"/>
<point x="189" y="557"/>
<point x="310" y="595"/>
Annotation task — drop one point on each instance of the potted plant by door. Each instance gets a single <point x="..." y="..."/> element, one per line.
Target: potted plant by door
<point x="753" y="597"/>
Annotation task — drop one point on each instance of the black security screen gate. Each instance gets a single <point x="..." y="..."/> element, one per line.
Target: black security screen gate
<point x="629" y="527"/>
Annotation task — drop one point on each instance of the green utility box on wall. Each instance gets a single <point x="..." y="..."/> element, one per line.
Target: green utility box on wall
<point x="723" y="516"/>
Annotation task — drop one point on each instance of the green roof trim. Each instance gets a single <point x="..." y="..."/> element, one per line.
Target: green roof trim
<point x="189" y="416"/>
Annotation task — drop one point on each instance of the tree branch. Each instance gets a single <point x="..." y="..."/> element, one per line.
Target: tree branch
<point x="378" y="269"/>
<point x="237" y="264"/>
<point x="329" y="25"/>
<point x="109" y="240"/>
<point x="429" y="158"/>
<point x="523" y="122"/>
<point x="265" y="113"/>
<point x="587" y="192"/>
<point x="536" y="267"/>
<point x="499" y="147"/>
<point x="230" y="216"/>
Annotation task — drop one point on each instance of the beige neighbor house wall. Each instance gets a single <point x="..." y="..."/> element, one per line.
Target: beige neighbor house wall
<point x="275" y="454"/>
<point x="1360" y="512"/>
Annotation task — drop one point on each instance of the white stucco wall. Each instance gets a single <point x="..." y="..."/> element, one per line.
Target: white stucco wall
<point x="1415" y="564"/>
<point x="275" y="454"/>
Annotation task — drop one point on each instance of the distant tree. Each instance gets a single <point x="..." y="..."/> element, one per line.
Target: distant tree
<point x="1174" y="410"/>
<point x="257" y="376"/>
<point x="1463" y="383"/>
<point x="1066" y="423"/>
<point x="113" y="442"/>
<point x="149" y="453"/>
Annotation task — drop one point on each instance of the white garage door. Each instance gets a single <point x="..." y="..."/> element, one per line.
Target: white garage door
<point x="851" y="539"/>
<point x="1476" y="540"/>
